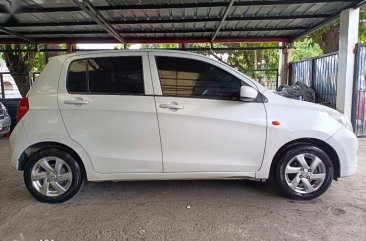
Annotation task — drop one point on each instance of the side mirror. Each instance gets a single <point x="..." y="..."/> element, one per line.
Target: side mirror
<point x="248" y="94"/>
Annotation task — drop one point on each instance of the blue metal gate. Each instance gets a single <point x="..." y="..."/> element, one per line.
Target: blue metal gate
<point x="320" y="74"/>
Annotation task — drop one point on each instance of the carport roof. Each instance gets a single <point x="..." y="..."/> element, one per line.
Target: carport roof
<point x="179" y="21"/>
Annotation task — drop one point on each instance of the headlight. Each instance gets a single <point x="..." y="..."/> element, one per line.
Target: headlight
<point x="342" y="119"/>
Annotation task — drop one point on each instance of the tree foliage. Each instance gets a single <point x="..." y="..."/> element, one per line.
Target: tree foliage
<point x="304" y="49"/>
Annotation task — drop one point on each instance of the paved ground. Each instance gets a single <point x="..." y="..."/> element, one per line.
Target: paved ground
<point x="183" y="210"/>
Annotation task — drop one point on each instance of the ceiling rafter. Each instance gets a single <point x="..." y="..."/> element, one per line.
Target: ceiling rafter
<point x="227" y="10"/>
<point x="27" y="9"/>
<point x="17" y="35"/>
<point x="94" y="14"/>
<point x="206" y="30"/>
<point x="167" y="21"/>
<point x="74" y="40"/>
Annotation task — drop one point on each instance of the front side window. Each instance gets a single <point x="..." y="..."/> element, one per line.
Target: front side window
<point x="192" y="78"/>
<point x="112" y="75"/>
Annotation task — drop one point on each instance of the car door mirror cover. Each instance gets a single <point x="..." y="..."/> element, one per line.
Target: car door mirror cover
<point x="248" y="94"/>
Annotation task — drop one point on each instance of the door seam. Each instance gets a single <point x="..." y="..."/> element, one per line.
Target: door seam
<point x="156" y="112"/>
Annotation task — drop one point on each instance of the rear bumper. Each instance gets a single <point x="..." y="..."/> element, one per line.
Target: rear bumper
<point x="18" y="143"/>
<point x="345" y="143"/>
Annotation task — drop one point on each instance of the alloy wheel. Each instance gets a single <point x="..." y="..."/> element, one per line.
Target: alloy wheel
<point x="305" y="173"/>
<point x="51" y="176"/>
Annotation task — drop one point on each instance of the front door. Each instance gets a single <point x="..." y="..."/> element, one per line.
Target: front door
<point x="204" y="126"/>
<point x="108" y="108"/>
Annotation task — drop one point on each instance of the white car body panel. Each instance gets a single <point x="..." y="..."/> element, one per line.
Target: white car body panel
<point x="296" y="122"/>
<point x="106" y="155"/>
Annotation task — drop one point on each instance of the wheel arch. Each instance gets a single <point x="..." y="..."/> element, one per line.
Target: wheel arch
<point x="45" y="145"/>
<point x="308" y="141"/>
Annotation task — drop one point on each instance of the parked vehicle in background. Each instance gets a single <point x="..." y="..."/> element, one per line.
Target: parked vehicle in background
<point x="149" y="115"/>
<point x="5" y="121"/>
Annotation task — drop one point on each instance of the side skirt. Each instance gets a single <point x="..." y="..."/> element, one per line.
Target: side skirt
<point x="170" y="176"/>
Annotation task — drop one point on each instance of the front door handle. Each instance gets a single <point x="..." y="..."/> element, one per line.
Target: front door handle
<point x="77" y="101"/>
<point x="171" y="105"/>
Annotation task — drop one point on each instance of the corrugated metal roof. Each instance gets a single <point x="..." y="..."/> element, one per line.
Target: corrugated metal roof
<point x="157" y="20"/>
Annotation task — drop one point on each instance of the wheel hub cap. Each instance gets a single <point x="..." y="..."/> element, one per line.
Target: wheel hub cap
<point x="51" y="176"/>
<point x="305" y="173"/>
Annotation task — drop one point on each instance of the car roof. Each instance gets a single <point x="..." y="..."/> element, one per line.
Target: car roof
<point x="81" y="53"/>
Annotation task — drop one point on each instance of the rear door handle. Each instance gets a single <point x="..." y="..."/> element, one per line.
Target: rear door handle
<point x="171" y="105"/>
<point x="77" y="101"/>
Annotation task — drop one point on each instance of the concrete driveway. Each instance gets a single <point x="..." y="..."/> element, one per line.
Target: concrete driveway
<point x="183" y="210"/>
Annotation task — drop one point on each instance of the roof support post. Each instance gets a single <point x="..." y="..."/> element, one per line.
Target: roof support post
<point x="222" y="20"/>
<point x="348" y="38"/>
<point x="70" y="48"/>
<point x="283" y="68"/>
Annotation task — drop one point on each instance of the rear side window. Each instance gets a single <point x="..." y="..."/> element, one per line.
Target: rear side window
<point x="113" y="75"/>
<point x="184" y="77"/>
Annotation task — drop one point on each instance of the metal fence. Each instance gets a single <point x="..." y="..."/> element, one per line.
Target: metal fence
<point x="320" y="74"/>
<point x="8" y="88"/>
<point x="301" y="71"/>
<point x="359" y="94"/>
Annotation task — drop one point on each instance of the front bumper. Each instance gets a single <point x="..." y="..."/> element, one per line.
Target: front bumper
<point x="345" y="143"/>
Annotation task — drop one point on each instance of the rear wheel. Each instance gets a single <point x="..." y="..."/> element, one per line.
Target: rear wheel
<point x="53" y="175"/>
<point x="304" y="173"/>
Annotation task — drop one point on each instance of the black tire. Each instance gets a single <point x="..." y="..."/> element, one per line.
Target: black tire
<point x="280" y="176"/>
<point x="77" y="176"/>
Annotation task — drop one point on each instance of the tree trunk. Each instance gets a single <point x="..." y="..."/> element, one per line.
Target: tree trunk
<point x="329" y="40"/>
<point x="18" y="65"/>
<point x="22" y="81"/>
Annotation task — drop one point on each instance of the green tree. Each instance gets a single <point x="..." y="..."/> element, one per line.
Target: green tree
<point x="304" y="49"/>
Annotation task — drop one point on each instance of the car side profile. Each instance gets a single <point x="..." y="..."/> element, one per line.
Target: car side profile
<point x="153" y="115"/>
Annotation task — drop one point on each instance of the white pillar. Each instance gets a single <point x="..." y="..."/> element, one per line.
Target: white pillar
<point x="348" y="37"/>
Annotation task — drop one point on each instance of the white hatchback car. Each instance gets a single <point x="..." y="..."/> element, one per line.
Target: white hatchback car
<point x="152" y="114"/>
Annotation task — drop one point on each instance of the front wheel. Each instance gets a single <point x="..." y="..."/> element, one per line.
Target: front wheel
<point x="53" y="175"/>
<point x="303" y="173"/>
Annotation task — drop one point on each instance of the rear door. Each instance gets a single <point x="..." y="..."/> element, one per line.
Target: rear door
<point x="108" y="108"/>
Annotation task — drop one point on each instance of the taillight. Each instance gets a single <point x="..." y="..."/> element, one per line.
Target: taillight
<point x="23" y="108"/>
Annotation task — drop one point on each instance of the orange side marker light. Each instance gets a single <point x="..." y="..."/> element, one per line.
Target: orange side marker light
<point x="276" y="123"/>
